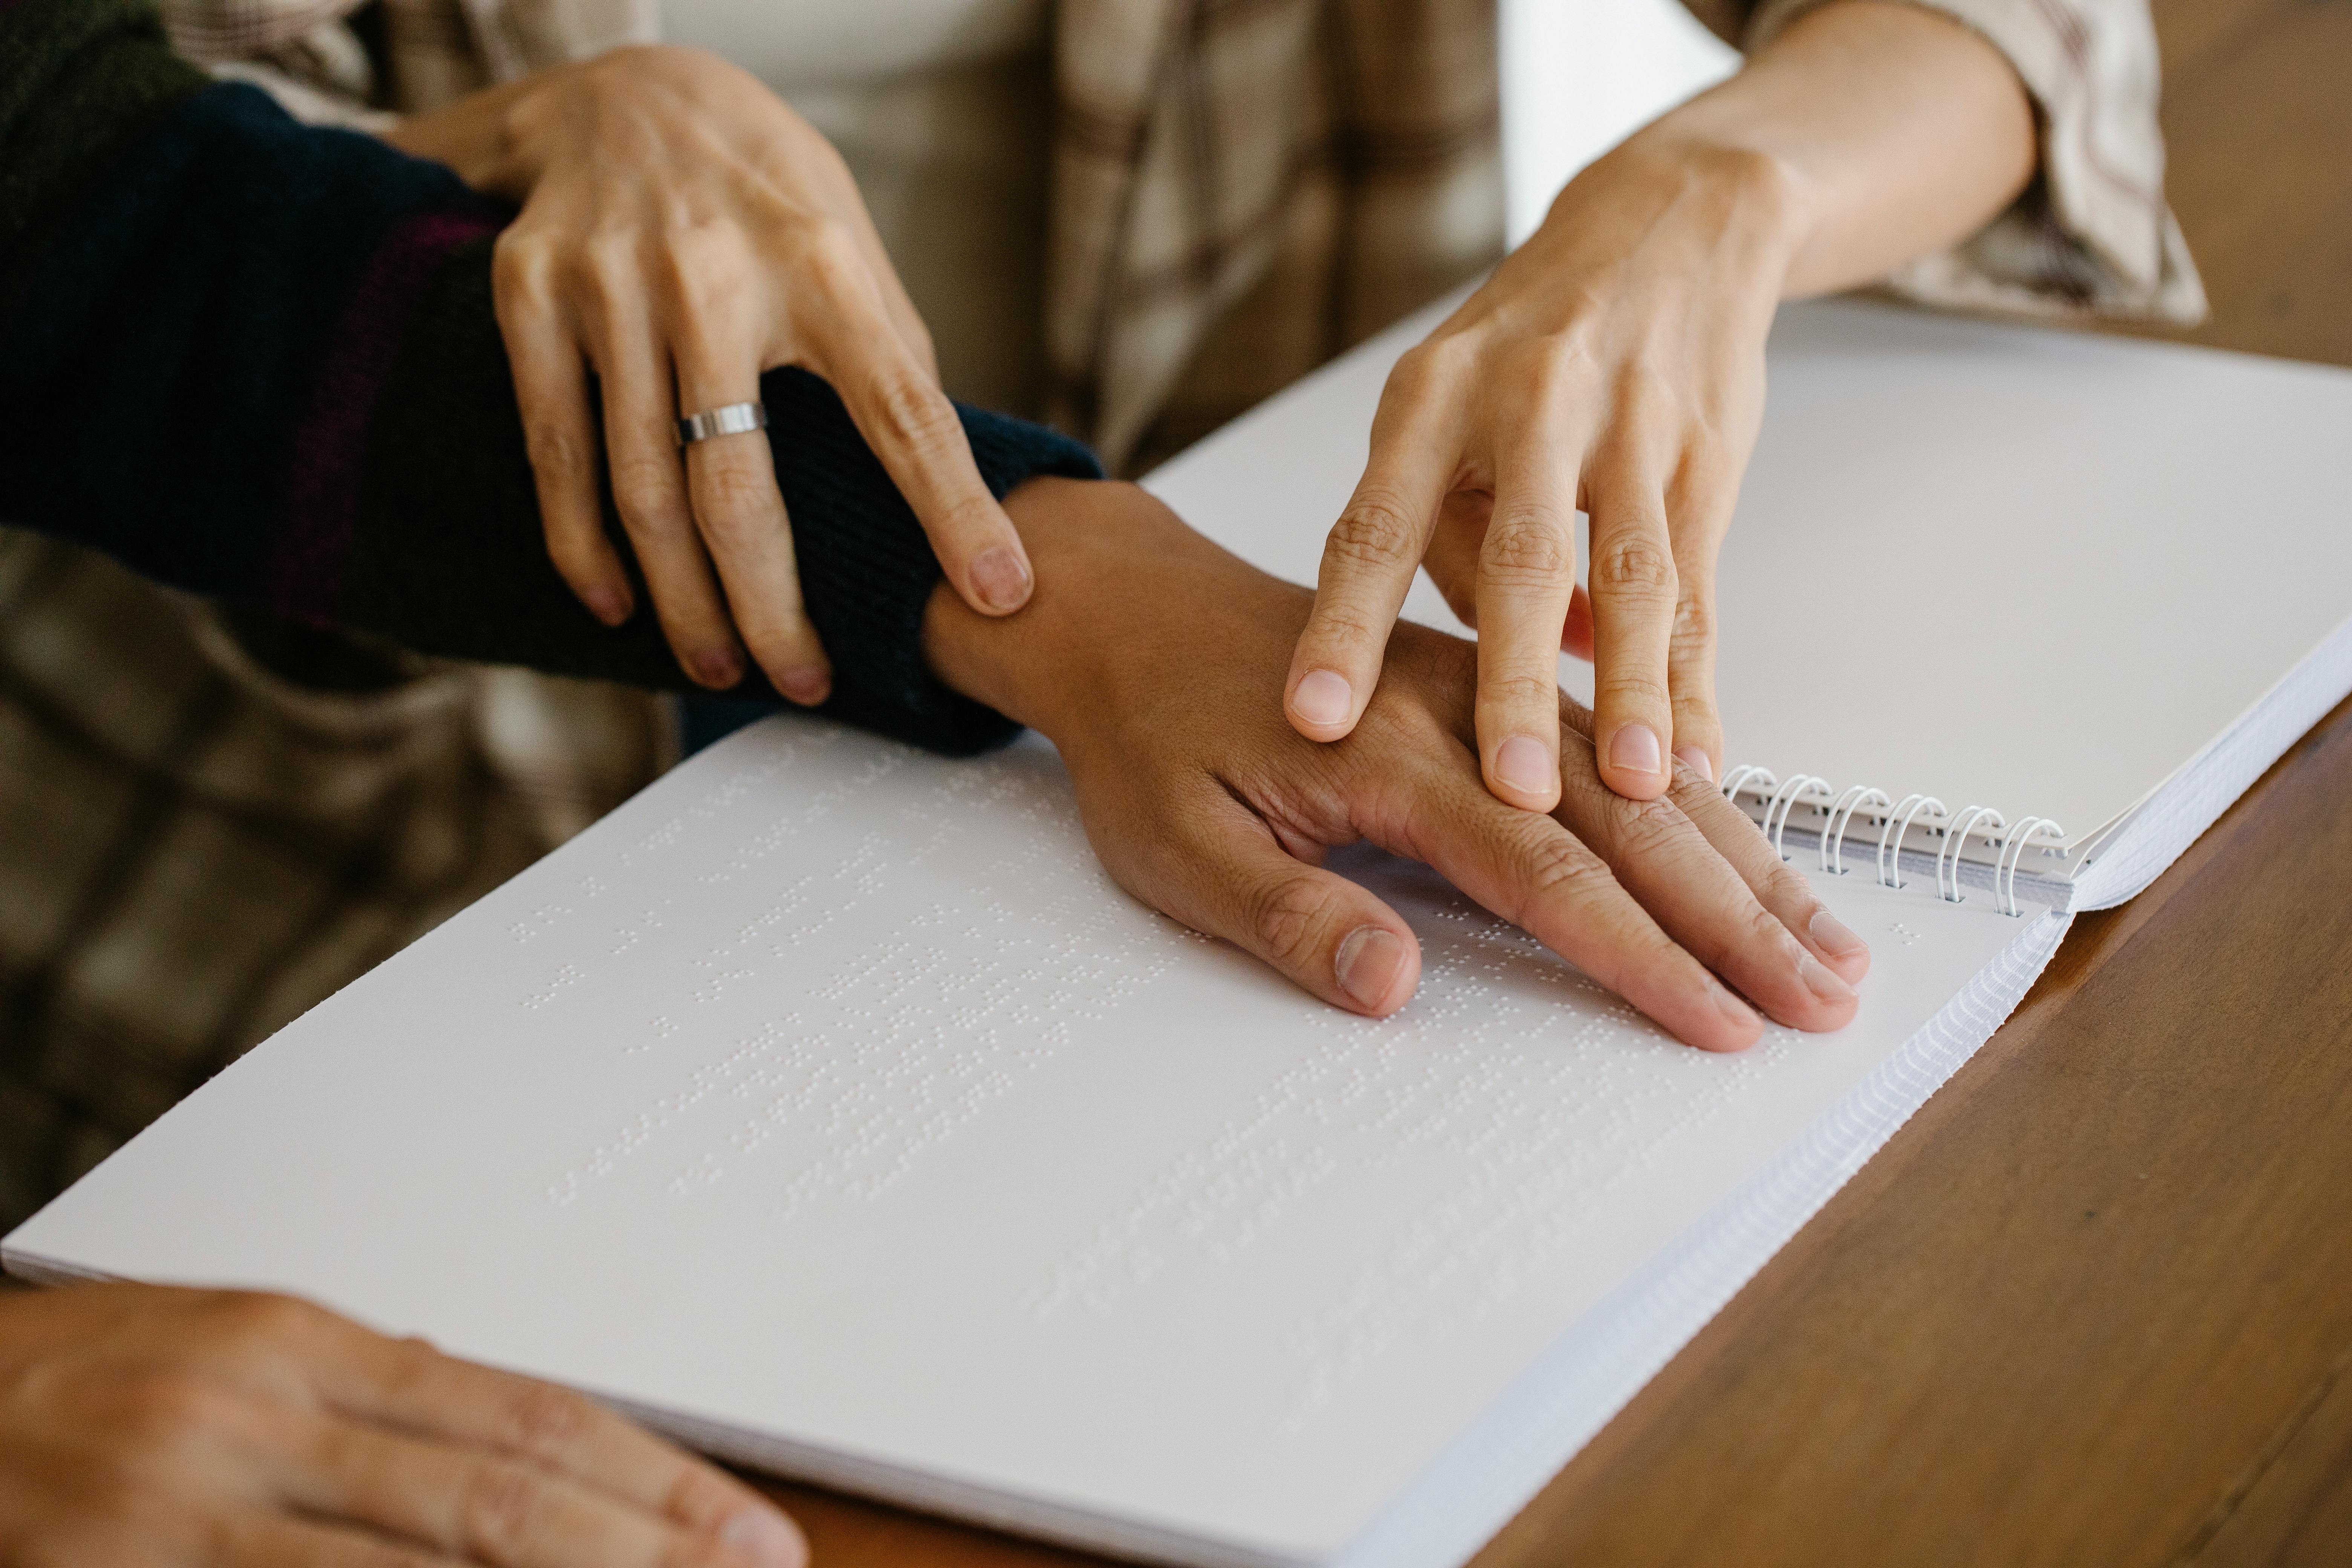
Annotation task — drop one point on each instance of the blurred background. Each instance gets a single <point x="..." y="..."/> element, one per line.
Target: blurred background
<point x="1580" y="75"/>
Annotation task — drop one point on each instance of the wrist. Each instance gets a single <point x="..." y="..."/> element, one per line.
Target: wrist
<point x="1031" y="666"/>
<point x="1122" y="588"/>
<point x="1755" y="199"/>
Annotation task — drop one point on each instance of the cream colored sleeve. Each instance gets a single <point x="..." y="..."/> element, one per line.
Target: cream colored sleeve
<point x="2092" y="236"/>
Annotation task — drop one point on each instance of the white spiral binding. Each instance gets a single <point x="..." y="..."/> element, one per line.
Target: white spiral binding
<point x="1910" y="805"/>
<point x="1856" y="798"/>
<point x="1803" y="786"/>
<point x="1953" y="841"/>
<point x="2004" y="875"/>
<point x="2009" y="842"/>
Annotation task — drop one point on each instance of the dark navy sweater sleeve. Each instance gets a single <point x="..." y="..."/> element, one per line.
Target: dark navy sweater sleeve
<point x="258" y="361"/>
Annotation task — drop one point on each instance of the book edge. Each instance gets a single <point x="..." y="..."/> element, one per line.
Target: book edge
<point x="1487" y="1475"/>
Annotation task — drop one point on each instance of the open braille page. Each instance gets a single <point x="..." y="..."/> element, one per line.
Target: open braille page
<point x="828" y="1105"/>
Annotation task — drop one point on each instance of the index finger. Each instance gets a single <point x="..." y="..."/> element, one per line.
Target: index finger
<point x="914" y="430"/>
<point x="1374" y="548"/>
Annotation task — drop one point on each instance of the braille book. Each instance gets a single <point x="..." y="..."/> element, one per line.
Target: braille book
<point x="827" y="1107"/>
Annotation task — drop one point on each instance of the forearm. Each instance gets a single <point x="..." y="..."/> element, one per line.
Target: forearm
<point x="261" y="362"/>
<point x="1866" y="134"/>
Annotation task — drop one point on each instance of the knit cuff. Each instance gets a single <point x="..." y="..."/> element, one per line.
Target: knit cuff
<point x="866" y="568"/>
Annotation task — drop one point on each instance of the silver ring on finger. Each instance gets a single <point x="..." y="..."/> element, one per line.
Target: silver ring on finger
<point x="734" y="419"/>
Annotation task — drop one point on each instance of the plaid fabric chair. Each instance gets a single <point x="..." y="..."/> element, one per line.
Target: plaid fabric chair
<point x="205" y="829"/>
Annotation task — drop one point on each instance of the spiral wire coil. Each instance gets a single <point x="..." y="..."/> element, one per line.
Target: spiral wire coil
<point x="1780" y="799"/>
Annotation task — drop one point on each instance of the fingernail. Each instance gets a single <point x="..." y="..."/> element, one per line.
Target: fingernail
<point x="1825" y="987"/>
<point x="609" y="606"/>
<point x="807" y="687"/>
<point x="767" y="1537"/>
<point x="1323" y="697"/>
<point x="1522" y="762"/>
<point x="1002" y="578"/>
<point x="1697" y="761"/>
<point x="1833" y="935"/>
<point x="718" y="667"/>
<point x="1366" y="964"/>
<point x="1635" y="749"/>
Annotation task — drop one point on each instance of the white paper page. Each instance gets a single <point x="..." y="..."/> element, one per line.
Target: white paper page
<point x="829" y="1092"/>
<point x="2026" y="568"/>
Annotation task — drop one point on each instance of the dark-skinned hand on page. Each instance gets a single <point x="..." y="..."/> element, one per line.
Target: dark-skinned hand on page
<point x="1150" y="658"/>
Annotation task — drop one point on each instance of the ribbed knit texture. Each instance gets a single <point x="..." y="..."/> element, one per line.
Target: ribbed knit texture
<point x="259" y="359"/>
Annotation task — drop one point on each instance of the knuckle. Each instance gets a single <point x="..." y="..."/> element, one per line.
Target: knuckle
<point x="708" y="271"/>
<point x="245" y="1316"/>
<point x="522" y="261"/>
<point x="1421" y="374"/>
<point x="410" y="1368"/>
<point x="1557" y="869"/>
<point x="830" y="255"/>
<point x="1512" y="691"/>
<point x="554" y="448"/>
<point x="737" y="498"/>
<point x="912" y="412"/>
<point x="697" y="1493"/>
<point x="1633" y="566"/>
<point x="1336" y="624"/>
<point x="645" y="489"/>
<point x="1629" y="691"/>
<point x="1694" y="629"/>
<point x="1647" y="831"/>
<point x="1285" y="914"/>
<point x="1376" y="532"/>
<point x="499" y="1505"/>
<point x="547" y="1421"/>
<point x="1646" y="392"/>
<point x="1553" y="360"/>
<point x="605" y="266"/>
<point x="1526" y="547"/>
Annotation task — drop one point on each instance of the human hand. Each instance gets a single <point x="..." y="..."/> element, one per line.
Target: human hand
<point x="1614" y="364"/>
<point x="1150" y="664"/>
<point x="683" y="230"/>
<point x="145" y="1425"/>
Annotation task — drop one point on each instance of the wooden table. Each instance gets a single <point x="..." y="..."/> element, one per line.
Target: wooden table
<point x="2094" y="1305"/>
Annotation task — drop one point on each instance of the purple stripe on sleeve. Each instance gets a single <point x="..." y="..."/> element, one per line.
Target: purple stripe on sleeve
<point x="322" y="481"/>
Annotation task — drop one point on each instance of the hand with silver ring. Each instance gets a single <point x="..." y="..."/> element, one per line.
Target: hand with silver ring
<point x="682" y="232"/>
